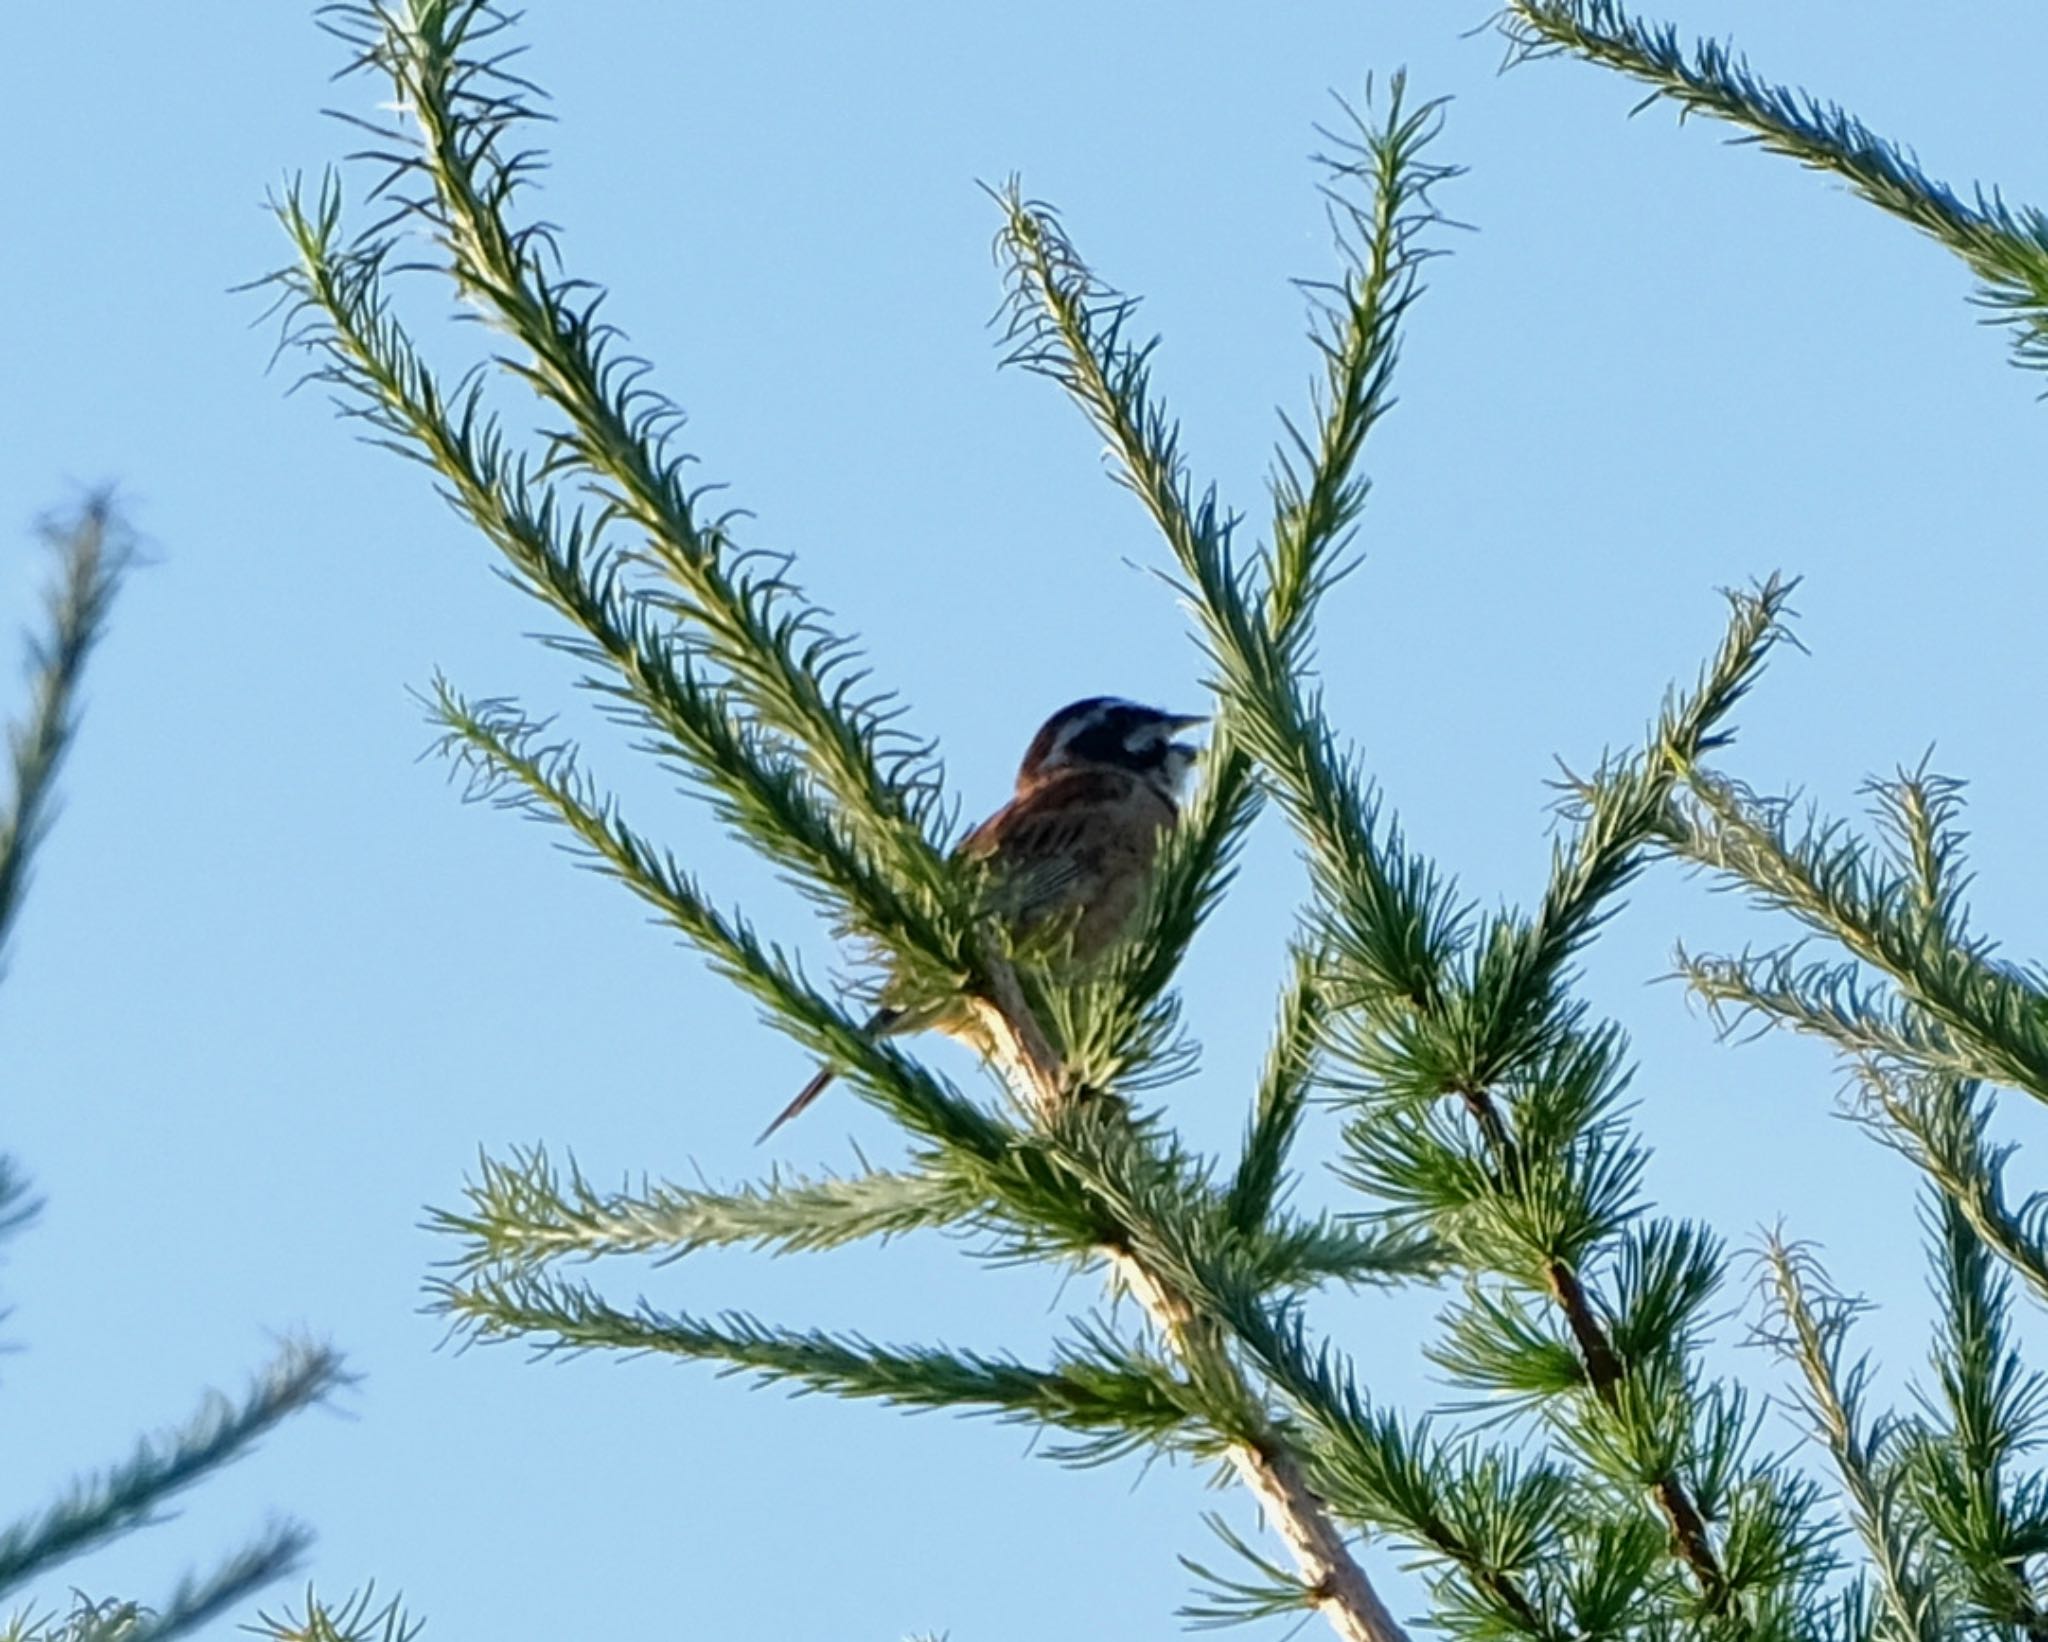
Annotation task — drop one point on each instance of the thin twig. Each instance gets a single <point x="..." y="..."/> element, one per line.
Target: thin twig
<point x="1604" y="1367"/>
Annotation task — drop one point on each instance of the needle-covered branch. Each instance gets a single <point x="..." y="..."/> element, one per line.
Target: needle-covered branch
<point x="98" y="1508"/>
<point x="455" y="170"/>
<point x="1404" y="1020"/>
<point x="1808" y="1322"/>
<point x="509" y="764"/>
<point x="199" y="1599"/>
<point x="1112" y="1398"/>
<point x="18" y="1204"/>
<point x="1921" y="1008"/>
<point x="1914" y="1092"/>
<point x="1228" y="1599"/>
<point x="1484" y="1526"/>
<point x="1159" y="1231"/>
<point x="1619" y="814"/>
<point x="1282" y="1099"/>
<point x="1836" y="1002"/>
<point x="1490" y="1113"/>
<point x="1941" y="1123"/>
<point x="1965" y="1470"/>
<point x="195" y="1602"/>
<point x="1955" y="1005"/>
<point x="2005" y="246"/>
<point x="92" y="549"/>
<point x="357" y="1618"/>
<point x="650" y="676"/>
<point x="526" y="1212"/>
<point x="1377" y="180"/>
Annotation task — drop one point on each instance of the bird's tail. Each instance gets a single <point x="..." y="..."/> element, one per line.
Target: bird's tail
<point x="882" y="1020"/>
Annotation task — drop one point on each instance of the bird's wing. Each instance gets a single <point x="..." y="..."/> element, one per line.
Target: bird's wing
<point x="1047" y="842"/>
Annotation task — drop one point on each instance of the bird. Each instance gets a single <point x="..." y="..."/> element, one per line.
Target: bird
<point x="1099" y="788"/>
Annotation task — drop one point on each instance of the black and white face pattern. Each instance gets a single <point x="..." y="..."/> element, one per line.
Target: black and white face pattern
<point x="1104" y="730"/>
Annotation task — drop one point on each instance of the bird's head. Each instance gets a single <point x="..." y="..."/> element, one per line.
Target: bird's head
<point x="1104" y="732"/>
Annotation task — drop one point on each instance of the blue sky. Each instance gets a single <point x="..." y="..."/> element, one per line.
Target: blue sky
<point x="276" y="987"/>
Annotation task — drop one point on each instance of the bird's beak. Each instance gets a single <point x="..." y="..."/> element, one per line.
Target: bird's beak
<point x="1187" y="721"/>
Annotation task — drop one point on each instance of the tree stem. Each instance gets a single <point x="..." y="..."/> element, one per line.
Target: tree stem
<point x="1337" y="1586"/>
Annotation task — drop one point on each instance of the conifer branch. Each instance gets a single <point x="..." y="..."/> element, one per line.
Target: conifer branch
<point x="1917" y="1092"/>
<point x="194" y="1603"/>
<point x="357" y="1618"/>
<point x="2006" y="247"/>
<point x="1620" y="815"/>
<point x="1540" y="1182"/>
<point x="1955" y="1017"/>
<point x="1375" y="1471"/>
<point x="466" y="112"/>
<point x="525" y="1212"/>
<point x="1940" y="1123"/>
<point x="197" y="1600"/>
<point x="1809" y="1323"/>
<point x="1990" y="1412"/>
<point x="17" y="1206"/>
<point x="1114" y="1398"/>
<point x="1604" y="1372"/>
<point x="1339" y="1588"/>
<point x="1232" y="1599"/>
<point x="1376" y="187"/>
<point x="1282" y="1098"/>
<point x="508" y="765"/>
<point x="338" y="311"/>
<point x="1833" y="1001"/>
<point x="92" y="549"/>
<point x="1956" y="1006"/>
<point x="1287" y="1254"/>
<point x="96" y="1509"/>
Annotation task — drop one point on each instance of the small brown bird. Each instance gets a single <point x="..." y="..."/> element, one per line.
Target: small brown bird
<point x="1099" y="786"/>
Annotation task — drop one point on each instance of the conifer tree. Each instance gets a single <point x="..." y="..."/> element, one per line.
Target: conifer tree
<point x="92" y="549"/>
<point x="1485" y="1136"/>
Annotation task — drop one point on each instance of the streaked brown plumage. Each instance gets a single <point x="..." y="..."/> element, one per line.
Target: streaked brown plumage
<point x="1098" y="788"/>
<point x="1082" y="839"/>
